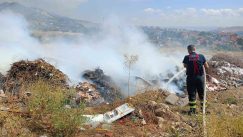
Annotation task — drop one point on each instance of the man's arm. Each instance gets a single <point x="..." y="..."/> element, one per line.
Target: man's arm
<point x="205" y="63"/>
<point x="185" y="65"/>
<point x="206" y="66"/>
<point x="185" y="61"/>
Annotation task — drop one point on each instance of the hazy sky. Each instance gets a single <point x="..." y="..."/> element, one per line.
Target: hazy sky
<point x="150" y="12"/>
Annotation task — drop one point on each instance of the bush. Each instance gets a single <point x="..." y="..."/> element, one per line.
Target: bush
<point x="48" y="113"/>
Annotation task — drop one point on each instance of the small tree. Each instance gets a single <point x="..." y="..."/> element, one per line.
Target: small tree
<point x="129" y="61"/>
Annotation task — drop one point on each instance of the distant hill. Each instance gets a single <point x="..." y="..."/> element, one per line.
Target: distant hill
<point x="41" y="20"/>
<point x="204" y="39"/>
<point x="235" y="29"/>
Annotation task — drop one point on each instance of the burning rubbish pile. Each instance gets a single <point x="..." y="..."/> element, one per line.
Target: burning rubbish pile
<point x="104" y="84"/>
<point x="29" y="71"/>
<point x="88" y="93"/>
<point x="226" y="71"/>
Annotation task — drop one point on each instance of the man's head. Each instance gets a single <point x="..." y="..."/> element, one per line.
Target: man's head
<point x="191" y="48"/>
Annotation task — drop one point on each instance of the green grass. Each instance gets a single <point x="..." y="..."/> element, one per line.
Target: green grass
<point x="47" y="111"/>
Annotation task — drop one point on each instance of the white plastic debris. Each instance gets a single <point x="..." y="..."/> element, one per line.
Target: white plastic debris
<point x="94" y="118"/>
<point x="110" y="116"/>
<point x="118" y="113"/>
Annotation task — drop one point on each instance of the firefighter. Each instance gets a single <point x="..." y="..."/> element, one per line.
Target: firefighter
<point x="194" y="64"/>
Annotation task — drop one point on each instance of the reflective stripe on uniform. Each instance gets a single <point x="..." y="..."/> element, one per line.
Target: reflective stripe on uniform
<point x="192" y="104"/>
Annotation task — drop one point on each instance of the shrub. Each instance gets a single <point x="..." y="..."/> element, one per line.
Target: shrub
<point x="48" y="113"/>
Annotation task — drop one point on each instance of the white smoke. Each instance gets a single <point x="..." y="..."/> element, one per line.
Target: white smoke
<point x="105" y="50"/>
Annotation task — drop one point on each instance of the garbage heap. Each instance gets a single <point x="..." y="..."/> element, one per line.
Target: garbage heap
<point x="88" y="93"/>
<point x="225" y="71"/>
<point x="104" y="84"/>
<point x="25" y="71"/>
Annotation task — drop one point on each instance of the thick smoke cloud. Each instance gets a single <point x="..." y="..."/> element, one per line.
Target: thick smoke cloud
<point x="105" y="50"/>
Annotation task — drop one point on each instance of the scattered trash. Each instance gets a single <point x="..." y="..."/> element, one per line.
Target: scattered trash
<point x="109" y="117"/>
<point x="143" y="122"/>
<point x="95" y="118"/>
<point x="104" y="84"/>
<point x="88" y="93"/>
<point x="118" y="113"/>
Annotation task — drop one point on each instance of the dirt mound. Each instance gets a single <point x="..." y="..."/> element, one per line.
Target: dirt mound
<point x="30" y="71"/>
<point x="105" y="85"/>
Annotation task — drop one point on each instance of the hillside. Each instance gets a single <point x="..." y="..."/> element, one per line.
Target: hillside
<point x="41" y="20"/>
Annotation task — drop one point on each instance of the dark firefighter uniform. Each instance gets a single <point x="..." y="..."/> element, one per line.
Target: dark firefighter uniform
<point x="195" y="78"/>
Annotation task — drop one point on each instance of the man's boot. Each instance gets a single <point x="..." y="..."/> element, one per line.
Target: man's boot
<point x="192" y="105"/>
<point x="192" y="111"/>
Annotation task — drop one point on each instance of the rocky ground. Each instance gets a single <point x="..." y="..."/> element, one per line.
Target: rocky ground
<point x="154" y="116"/>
